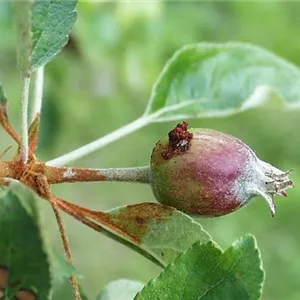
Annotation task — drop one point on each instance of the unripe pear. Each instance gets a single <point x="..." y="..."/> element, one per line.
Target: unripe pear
<point x="209" y="173"/>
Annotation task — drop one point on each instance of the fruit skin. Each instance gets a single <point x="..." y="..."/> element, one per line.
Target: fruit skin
<point x="209" y="173"/>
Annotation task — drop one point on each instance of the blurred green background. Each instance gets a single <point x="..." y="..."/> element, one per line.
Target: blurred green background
<point x="102" y="80"/>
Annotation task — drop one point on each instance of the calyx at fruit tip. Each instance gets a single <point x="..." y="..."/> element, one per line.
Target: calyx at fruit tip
<point x="276" y="183"/>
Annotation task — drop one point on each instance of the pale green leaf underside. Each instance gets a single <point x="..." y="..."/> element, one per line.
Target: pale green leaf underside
<point x="224" y="79"/>
<point x="160" y="230"/>
<point x="52" y="24"/>
<point x="22" y="246"/>
<point x="205" y="272"/>
<point x="122" y="289"/>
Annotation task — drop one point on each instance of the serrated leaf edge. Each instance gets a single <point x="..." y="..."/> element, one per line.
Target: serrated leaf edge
<point x="210" y="243"/>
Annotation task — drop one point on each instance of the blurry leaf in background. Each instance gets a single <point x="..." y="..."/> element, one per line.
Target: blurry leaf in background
<point x="22" y="249"/>
<point x="52" y="24"/>
<point x="50" y="122"/>
<point x="160" y="230"/>
<point x="224" y="79"/>
<point x="204" y="272"/>
<point x="122" y="289"/>
<point x="128" y="12"/>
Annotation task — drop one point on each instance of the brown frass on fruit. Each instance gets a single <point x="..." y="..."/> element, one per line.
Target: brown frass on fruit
<point x="179" y="140"/>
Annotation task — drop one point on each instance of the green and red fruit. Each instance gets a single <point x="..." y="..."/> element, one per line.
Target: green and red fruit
<point x="209" y="173"/>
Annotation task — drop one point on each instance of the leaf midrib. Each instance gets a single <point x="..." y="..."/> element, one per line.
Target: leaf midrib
<point x="217" y="283"/>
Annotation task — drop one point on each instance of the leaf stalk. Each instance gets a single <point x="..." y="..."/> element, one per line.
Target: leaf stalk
<point x="26" y="78"/>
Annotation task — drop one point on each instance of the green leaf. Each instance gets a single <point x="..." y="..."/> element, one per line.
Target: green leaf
<point x="62" y="290"/>
<point x="43" y="28"/>
<point x="62" y="271"/>
<point x="156" y="231"/>
<point x="160" y="230"/>
<point x="205" y="272"/>
<point x="212" y="80"/>
<point x="61" y="267"/>
<point x="22" y="14"/>
<point x="52" y="24"/>
<point x="22" y="248"/>
<point x="122" y="289"/>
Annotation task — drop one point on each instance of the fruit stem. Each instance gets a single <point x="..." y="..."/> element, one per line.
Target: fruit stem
<point x="67" y="174"/>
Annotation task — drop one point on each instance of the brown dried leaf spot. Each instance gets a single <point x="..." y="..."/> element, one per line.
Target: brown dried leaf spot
<point x="3" y="277"/>
<point x="134" y="220"/>
<point x="179" y="140"/>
